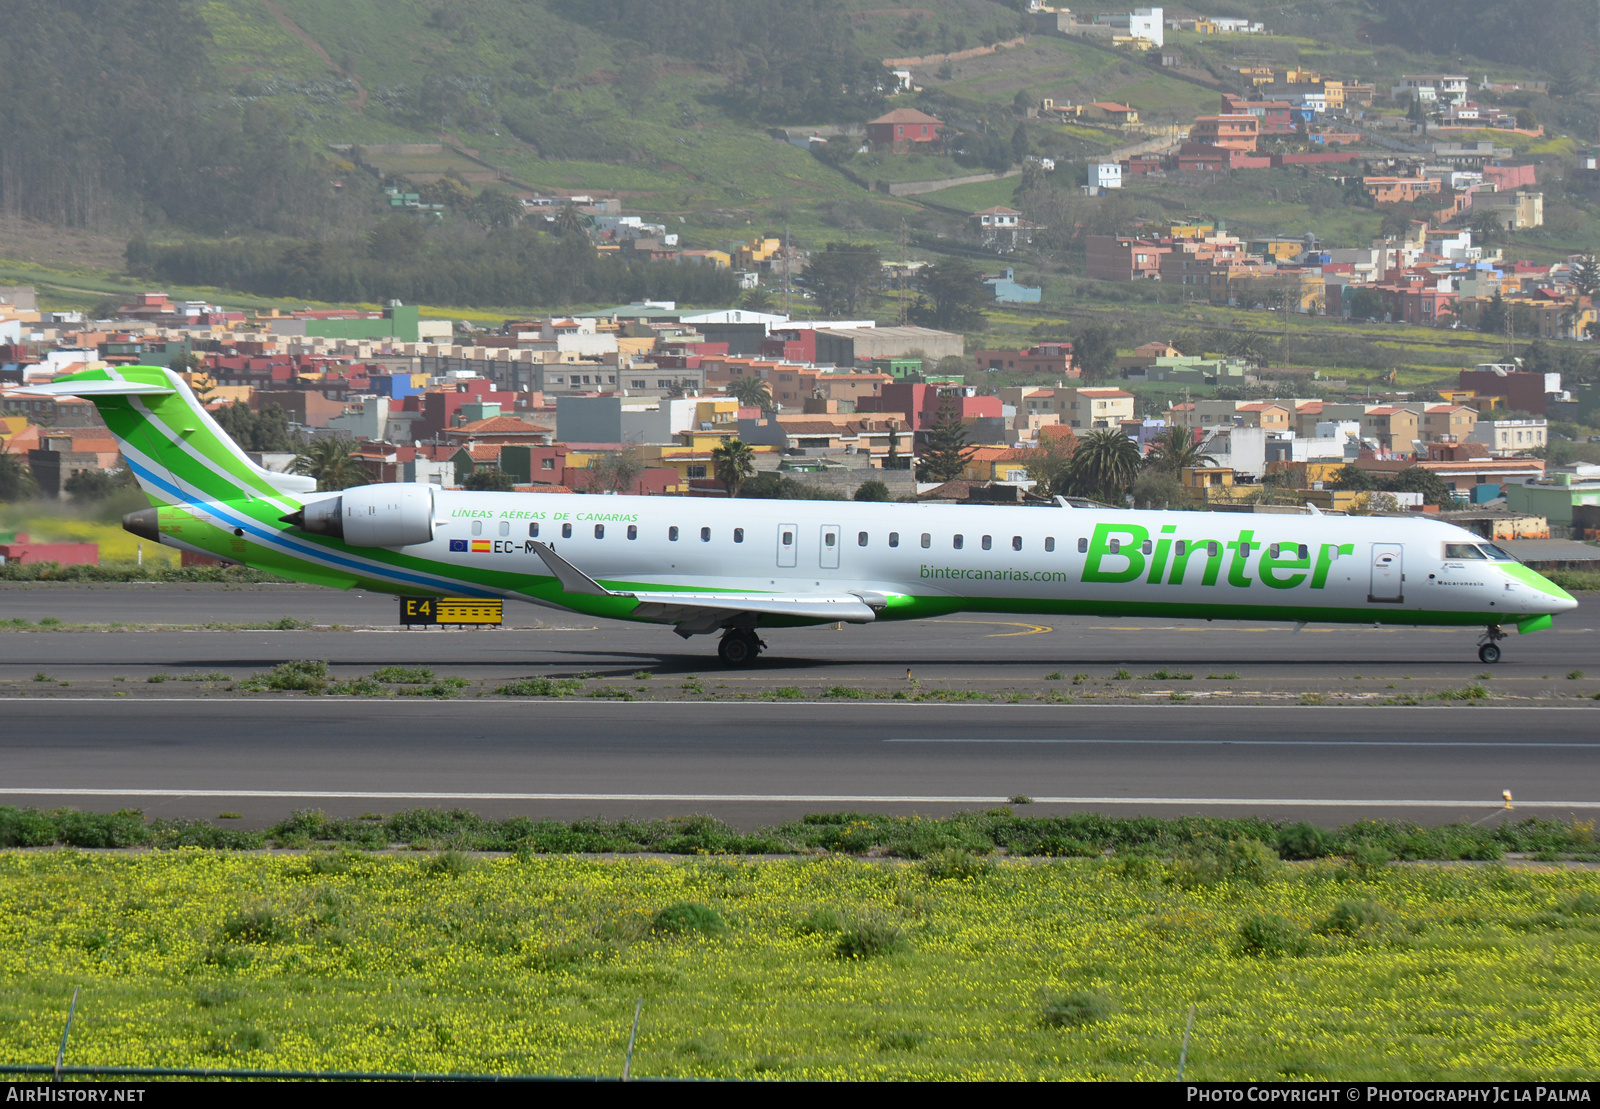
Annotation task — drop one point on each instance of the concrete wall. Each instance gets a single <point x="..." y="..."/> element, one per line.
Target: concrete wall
<point x="589" y="419"/>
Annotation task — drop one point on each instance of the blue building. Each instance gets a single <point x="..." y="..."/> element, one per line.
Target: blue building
<point x="1007" y="291"/>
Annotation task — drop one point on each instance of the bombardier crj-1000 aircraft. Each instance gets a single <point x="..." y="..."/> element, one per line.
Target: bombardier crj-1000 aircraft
<point x="736" y="566"/>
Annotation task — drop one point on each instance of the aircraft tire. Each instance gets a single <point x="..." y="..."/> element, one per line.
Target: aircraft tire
<point x="1489" y="653"/>
<point x="737" y="650"/>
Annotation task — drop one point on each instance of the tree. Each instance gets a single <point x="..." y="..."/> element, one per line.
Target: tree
<point x="1020" y="147"/>
<point x="494" y="208"/>
<point x="1050" y="463"/>
<point x="872" y="491"/>
<point x="844" y="276"/>
<point x="1366" y="304"/>
<point x="1485" y="226"/>
<point x="570" y="221"/>
<point x="90" y="485"/>
<point x="954" y="296"/>
<point x="756" y="299"/>
<point x="616" y="472"/>
<point x="947" y="452"/>
<point x="1493" y="318"/>
<point x="452" y="192"/>
<point x="1094" y="351"/>
<point x="397" y="240"/>
<point x="1104" y="465"/>
<point x="489" y="480"/>
<point x="1586" y="275"/>
<point x="1177" y="450"/>
<point x="733" y="462"/>
<point x="16" y="479"/>
<point x="752" y="392"/>
<point x="266" y="430"/>
<point x="1526" y="120"/>
<point x="186" y="362"/>
<point x="330" y="461"/>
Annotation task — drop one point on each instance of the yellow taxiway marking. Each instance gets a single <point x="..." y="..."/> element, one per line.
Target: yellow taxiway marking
<point x="1031" y="629"/>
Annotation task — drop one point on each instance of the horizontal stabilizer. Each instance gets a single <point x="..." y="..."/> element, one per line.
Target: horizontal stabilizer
<point x="110" y="388"/>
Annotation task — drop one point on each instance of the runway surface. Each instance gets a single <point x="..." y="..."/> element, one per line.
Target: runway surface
<point x="752" y="762"/>
<point x="549" y="641"/>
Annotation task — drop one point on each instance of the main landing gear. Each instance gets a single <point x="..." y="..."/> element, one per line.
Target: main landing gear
<point x="739" y="647"/>
<point x="1488" y="649"/>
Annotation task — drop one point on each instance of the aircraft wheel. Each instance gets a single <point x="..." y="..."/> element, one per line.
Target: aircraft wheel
<point x="738" y="650"/>
<point x="1489" y="653"/>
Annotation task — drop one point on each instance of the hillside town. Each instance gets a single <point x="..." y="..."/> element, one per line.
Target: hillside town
<point x="646" y="398"/>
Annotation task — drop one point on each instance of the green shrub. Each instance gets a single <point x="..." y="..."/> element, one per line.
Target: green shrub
<point x="686" y="917"/>
<point x="787" y="693"/>
<point x="845" y="692"/>
<point x="444" y="689"/>
<point x="822" y="921"/>
<point x="540" y="687"/>
<point x="358" y="687"/>
<point x="1270" y="937"/>
<point x="449" y="864"/>
<point x="1075" y="1010"/>
<point x="957" y="864"/>
<point x="1211" y="861"/>
<point x="257" y="925"/>
<point x="27" y="828"/>
<point x="404" y="675"/>
<point x="1350" y="918"/>
<point x="309" y="675"/>
<point x="1303" y="841"/>
<point x="868" y="936"/>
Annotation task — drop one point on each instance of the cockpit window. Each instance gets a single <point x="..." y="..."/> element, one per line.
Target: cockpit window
<point x="1457" y="552"/>
<point x="1496" y="553"/>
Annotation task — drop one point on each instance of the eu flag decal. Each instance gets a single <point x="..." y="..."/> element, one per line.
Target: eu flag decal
<point x="458" y="545"/>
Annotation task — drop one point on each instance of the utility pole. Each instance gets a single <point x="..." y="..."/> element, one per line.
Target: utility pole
<point x="905" y="263"/>
<point x="787" y="307"/>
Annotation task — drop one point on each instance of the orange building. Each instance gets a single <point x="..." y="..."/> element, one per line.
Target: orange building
<point x="1235" y="131"/>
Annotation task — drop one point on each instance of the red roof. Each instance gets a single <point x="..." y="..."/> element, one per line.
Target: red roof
<point x="907" y="115"/>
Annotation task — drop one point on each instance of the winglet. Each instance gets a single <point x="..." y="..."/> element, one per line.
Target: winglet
<point x="572" y="579"/>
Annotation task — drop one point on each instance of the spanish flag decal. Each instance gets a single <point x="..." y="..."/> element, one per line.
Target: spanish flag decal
<point x="480" y="545"/>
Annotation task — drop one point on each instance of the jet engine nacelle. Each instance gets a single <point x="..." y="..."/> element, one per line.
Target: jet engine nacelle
<point x="389" y="515"/>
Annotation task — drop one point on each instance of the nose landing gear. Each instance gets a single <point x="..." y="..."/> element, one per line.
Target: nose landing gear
<point x="739" y="647"/>
<point x="1488" y="649"/>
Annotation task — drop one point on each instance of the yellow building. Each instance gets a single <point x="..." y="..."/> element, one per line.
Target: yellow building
<point x="756" y="251"/>
<point x="998" y="464"/>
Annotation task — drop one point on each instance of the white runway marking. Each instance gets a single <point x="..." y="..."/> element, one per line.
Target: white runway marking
<point x="817" y="799"/>
<point x="1268" y="742"/>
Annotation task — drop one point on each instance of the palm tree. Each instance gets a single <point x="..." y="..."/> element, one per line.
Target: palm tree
<point x="1104" y="465"/>
<point x="751" y="392"/>
<point x="734" y="462"/>
<point x="1177" y="450"/>
<point x="330" y="461"/>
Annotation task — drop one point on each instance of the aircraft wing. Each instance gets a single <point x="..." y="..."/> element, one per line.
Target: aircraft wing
<point x="699" y="613"/>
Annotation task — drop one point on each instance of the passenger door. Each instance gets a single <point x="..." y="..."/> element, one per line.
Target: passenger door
<point x="830" y="546"/>
<point x="1388" y="574"/>
<point x="787" y="534"/>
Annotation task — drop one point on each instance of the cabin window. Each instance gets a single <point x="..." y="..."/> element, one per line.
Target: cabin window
<point x="1213" y="549"/>
<point x="927" y="540"/>
<point x="1016" y="542"/>
<point x="894" y="539"/>
<point x="1083" y="546"/>
<point x="1115" y="546"/>
<point x="505" y="527"/>
<point x="533" y="531"/>
<point x="861" y="539"/>
<point x="788" y="538"/>
<point x="705" y="535"/>
<point x="957" y="542"/>
<point x="599" y="531"/>
<point x="1244" y="549"/>
<point x="566" y="531"/>
<point x="672" y="535"/>
<point x="1456" y="551"/>
<point x="1146" y="547"/>
<point x="477" y="527"/>
<point x="1049" y="543"/>
<point x="738" y="535"/>
<point x="828" y="538"/>
<point x="1181" y="547"/>
<point x="633" y="531"/>
<point x="987" y="542"/>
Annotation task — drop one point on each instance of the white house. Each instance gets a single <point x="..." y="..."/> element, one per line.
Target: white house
<point x="1146" y="23"/>
<point x="1105" y="175"/>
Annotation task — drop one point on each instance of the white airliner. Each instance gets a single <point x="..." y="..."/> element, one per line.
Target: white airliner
<point x="735" y="566"/>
